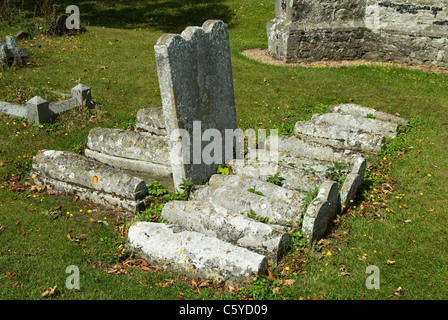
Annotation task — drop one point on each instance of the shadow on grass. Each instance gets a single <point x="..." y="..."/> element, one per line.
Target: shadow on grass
<point x="165" y="15"/>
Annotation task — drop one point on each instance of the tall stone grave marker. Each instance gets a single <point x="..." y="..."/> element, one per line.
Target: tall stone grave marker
<point x="196" y="86"/>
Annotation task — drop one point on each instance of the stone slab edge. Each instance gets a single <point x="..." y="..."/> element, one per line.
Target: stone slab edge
<point x="97" y="197"/>
<point x="129" y="164"/>
<point x="193" y="254"/>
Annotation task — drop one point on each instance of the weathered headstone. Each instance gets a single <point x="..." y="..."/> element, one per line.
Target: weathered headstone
<point x="196" y="85"/>
<point x="10" y="52"/>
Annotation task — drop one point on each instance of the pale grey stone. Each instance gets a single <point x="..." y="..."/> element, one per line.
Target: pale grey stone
<point x="296" y="147"/>
<point x="195" y="77"/>
<point x="241" y="200"/>
<point x="271" y="191"/>
<point x="155" y="170"/>
<point x="378" y="127"/>
<point x="37" y="110"/>
<point x="361" y="111"/>
<point x="11" y="43"/>
<point x="151" y="120"/>
<point x="62" y="106"/>
<point x="76" y="170"/>
<point x="194" y="254"/>
<point x="216" y="221"/>
<point x="294" y="177"/>
<point x="340" y="136"/>
<point x="83" y="95"/>
<point x="131" y="145"/>
<point x="12" y="110"/>
<point x="321" y="211"/>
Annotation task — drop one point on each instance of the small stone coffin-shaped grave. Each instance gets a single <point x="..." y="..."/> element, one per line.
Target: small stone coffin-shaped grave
<point x="38" y="110"/>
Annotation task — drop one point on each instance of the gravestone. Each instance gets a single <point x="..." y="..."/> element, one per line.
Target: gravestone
<point x="10" y="52"/>
<point x="196" y="86"/>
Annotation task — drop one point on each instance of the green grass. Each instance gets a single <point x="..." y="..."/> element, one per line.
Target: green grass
<point x="406" y="222"/>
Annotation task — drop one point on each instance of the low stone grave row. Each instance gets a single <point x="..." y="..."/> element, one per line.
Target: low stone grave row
<point x="228" y="209"/>
<point x="232" y="226"/>
<point x="38" y="110"/>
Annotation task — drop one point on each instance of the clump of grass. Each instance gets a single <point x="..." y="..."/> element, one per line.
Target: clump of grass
<point x="253" y="215"/>
<point x="337" y="172"/>
<point x="311" y="194"/>
<point x="160" y="196"/>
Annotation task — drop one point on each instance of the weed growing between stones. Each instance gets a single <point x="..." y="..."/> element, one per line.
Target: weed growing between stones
<point x="256" y="217"/>
<point x="160" y="196"/>
<point x="256" y="192"/>
<point x="338" y="173"/>
<point x="275" y="179"/>
<point x="310" y="195"/>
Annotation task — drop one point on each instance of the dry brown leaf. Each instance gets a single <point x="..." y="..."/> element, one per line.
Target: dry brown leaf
<point x="270" y="275"/>
<point x="38" y="188"/>
<point x="276" y="290"/>
<point x="344" y="271"/>
<point x="399" y="291"/>
<point x="289" y="282"/>
<point x="50" y="292"/>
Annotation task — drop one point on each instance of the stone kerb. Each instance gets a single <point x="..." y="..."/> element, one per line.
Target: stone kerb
<point x="38" y="110"/>
<point x="196" y="85"/>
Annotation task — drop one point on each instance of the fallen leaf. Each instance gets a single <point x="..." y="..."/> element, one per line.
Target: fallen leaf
<point x="50" y="292"/>
<point x="270" y="275"/>
<point x="399" y="291"/>
<point x="38" y="188"/>
<point x="410" y="238"/>
<point x="361" y="258"/>
<point x="180" y="295"/>
<point x="344" y="271"/>
<point x="276" y="290"/>
<point x="93" y="220"/>
<point x="194" y="284"/>
<point x="288" y="282"/>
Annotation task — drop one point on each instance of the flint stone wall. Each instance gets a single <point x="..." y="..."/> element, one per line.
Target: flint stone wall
<point x="401" y="31"/>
